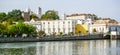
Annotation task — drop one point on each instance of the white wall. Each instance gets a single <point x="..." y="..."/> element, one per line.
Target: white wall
<point x="99" y="28"/>
<point x="36" y="24"/>
<point x="57" y="26"/>
<point x="76" y="17"/>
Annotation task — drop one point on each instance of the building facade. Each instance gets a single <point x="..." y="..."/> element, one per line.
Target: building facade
<point x="81" y="16"/>
<point x="53" y="26"/>
<point x="83" y="20"/>
<point x="83" y="23"/>
<point x="26" y="16"/>
<point x="64" y="26"/>
<point x="102" y="25"/>
<point x="57" y="26"/>
<point x="36" y="24"/>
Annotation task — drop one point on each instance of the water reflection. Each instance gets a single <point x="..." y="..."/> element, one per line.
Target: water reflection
<point x="83" y="47"/>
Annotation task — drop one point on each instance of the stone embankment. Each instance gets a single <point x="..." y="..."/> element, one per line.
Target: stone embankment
<point x="59" y="38"/>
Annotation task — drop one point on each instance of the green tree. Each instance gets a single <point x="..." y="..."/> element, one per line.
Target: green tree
<point x="2" y="28"/>
<point x="50" y="14"/>
<point x="12" y="29"/>
<point x="94" y="30"/>
<point x="14" y="15"/>
<point x="60" y="33"/>
<point x="2" y="16"/>
<point x="33" y="16"/>
<point x="70" y="33"/>
<point x="41" y="33"/>
<point x="21" y="28"/>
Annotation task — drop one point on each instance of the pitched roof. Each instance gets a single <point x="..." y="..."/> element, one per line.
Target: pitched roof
<point x="105" y="21"/>
<point x="80" y="15"/>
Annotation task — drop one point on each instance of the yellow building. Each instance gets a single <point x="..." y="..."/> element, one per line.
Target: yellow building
<point x="81" y="29"/>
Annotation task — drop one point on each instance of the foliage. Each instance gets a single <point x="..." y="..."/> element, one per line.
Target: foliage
<point x="41" y="33"/>
<point x="33" y="16"/>
<point x="12" y="29"/>
<point x="14" y="15"/>
<point x="2" y="28"/>
<point x="95" y="18"/>
<point x="60" y="33"/>
<point x="81" y="29"/>
<point x="79" y="32"/>
<point x="94" y="30"/>
<point x="21" y="28"/>
<point x="70" y="33"/>
<point x="2" y="16"/>
<point x="50" y="14"/>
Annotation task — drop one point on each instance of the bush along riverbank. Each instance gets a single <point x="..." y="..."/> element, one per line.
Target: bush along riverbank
<point x="52" y="38"/>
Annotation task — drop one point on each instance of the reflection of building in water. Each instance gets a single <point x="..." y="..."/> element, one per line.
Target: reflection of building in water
<point x="113" y="44"/>
<point x="77" y="48"/>
<point x="54" y="48"/>
<point x="80" y="48"/>
<point x="83" y="47"/>
<point x="100" y="46"/>
<point x="93" y="47"/>
<point x="118" y="45"/>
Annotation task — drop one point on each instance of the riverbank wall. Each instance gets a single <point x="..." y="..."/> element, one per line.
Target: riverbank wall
<point x="60" y="38"/>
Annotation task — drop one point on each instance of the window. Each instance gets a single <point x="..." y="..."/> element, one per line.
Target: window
<point x="68" y="29"/>
<point x="63" y="30"/>
<point x="58" y="29"/>
<point x="63" y="22"/>
<point x="82" y="22"/>
<point x="68" y="22"/>
<point x="43" y="29"/>
<point x="53" y="29"/>
<point x="48" y="22"/>
<point x="43" y="22"/>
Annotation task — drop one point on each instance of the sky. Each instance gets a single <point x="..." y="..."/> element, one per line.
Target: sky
<point x="102" y="8"/>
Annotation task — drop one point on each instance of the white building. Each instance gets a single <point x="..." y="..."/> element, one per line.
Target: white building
<point x="80" y="16"/>
<point x="65" y="26"/>
<point x="85" y="19"/>
<point x="37" y="24"/>
<point x="57" y="26"/>
<point x="119" y="23"/>
<point x="53" y="26"/>
<point x="100" y="28"/>
<point x="102" y="25"/>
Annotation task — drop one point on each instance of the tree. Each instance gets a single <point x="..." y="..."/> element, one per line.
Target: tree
<point x="41" y="33"/>
<point x="79" y="32"/>
<point x="94" y="30"/>
<point x="21" y="28"/>
<point x="77" y="28"/>
<point x="2" y="16"/>
<point x="50" y="14"/>
<point x="33" y="16"/>
<point x="12" y="29"/>
<point x="14" y="15"/>
<point x="30" y="29"/>
<point x="70" y="33"/>
<point x="2" y="28"/>
<point x="60" y="33"/>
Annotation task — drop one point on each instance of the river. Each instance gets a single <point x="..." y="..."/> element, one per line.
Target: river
<point x="81" y="47"/>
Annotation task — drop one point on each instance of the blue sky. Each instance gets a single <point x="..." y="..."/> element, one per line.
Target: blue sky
<point x="102" y="8"/>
